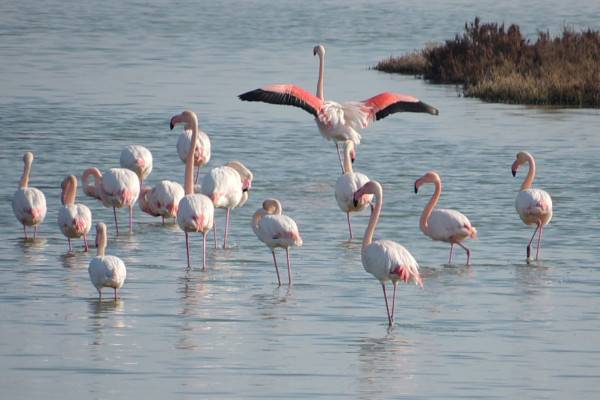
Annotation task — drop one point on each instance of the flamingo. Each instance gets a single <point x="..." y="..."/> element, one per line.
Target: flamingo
<point x="74" y="220"/>
<point x="227" y="186"/>
<point x="106" y="271"/>
<point x="347" y="184"/>
<point x="29" y="203"/>
<point x="533" y="205"/>
<point x="442" y="224"/>
<point x="337" y="121"/>
<point x="138" y="159"/>
<point x="385" y="259"/>
<point x="196" y="211"/>
<point x="117" y="188"/>
<point x="276" y="230"/>
<point x="162" y="200"/>
<point x="201" y="153"/>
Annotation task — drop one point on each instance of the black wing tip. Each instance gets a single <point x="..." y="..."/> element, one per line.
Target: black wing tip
<point x="253" y="95"/>
<point x="429" y="109"/>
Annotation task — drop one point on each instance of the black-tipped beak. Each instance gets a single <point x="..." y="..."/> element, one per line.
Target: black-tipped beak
<point x="315" y="51"/>
<point x="244" y="190"/>
<point x="172" y="125"/>
<point x="352" y="160"/>
<point x="354" y="201"/>
<point x="514" y="173"/>
<point x="416" y="188"/>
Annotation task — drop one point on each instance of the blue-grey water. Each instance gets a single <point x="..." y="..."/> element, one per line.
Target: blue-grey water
<point x="79" y="80"/>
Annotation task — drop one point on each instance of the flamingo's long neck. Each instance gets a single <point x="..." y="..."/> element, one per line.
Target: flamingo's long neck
<point x="96" y="190"/>
<point x="321" y="76"/>
<point x="348" y="157"/>
<point x="256" y="219"/>
<point x="25" y="177"/>
<point x="70" y="192"/>
<point x="189" y="164"/>
<point x="530" y="175"/>
<point x="375" y="189"/>
<point x="423" y="223"/>
<point x="101" y="242"/>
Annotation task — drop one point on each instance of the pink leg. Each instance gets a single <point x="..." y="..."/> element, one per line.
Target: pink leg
<point x="116" y="294"/>
<point x="215" y="230"/>
<point x="187" y="249"/>
<point x="99" y="294"/>
<point x="85" y="243"/>
<point x="531" y="240"/>
<point x="349" y="225"/>
<point x="197" y="174"/>
<point x="451" y="251"/>
<point x="468" y="252"/>
<point x="337" y="150"/>
<point x="539" y="242"/>
<point x="395" y="283"/>
<point x="163" y="220"/>
<point x="130" y="219"/>
<point x="116" y="223"/>
<point x="287" y="255"/>
<point x="226" y="227"/>
<point x="25" y="231"/>
<point x="204" y="252"/>
<point x="34" y="232"/>
<point x="69" y="249"/>
<point x="386" y="303"/>
<point x="276" y="268"/>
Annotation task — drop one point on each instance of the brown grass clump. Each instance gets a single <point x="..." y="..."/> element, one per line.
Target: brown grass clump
<point x="498" y="64"/>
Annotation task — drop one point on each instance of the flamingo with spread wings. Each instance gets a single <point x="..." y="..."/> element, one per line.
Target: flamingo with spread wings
<point x="338" y="121"/>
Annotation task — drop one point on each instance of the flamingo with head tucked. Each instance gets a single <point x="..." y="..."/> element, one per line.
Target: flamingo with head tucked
<point x="338" y="121"/>
<point x="196" y="211"/>
<point x="29" y="203"/>
<point x="228" y="187"/>
<point x="201" y="152"/>
<point x="106" y="271"/>
<point x="533" y="205"/>
<point x="348" y="183"/>
<point x="74" y="220"/>
<point x="138" y="159"/>
<point x="162" y="200"/>
<point x="442" y="224"/>
<point x="384" y="259"/>
<point x="117" y="188"/>
<point x="276" y="230"/>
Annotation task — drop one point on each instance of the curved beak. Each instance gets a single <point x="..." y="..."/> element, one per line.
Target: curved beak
<point x="514" y="173"/>
<point x="314" y="51"/>
<point x="514" y="168"/>
<point x="171" y="124"/>
<point x="416" y="188"/>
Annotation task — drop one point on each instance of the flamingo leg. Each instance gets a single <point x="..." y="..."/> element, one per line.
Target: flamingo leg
<point x="116" y="222"/>
<point x="337" y="150"/>
<point x="349" y="224"/>
<point x="226" y="227"/>
<point x="116" y="294"/>
<point x="163" y="219"/>
<point x="35" y="232"/>
<point x="531" y="240"/>
<point x="99" y="294"/>
<point x="187" y="250"/>
<point x="451" y="252"/>
<point x="276" y="268"/>
<point x="287" y="256"/>
<point x="204" y="252"/>
<point x="468" y="252"/>
<point x="387" y="308"/>
<point x="85" y="243"/>
<point x="395" y="283"/>
<point x="69" y="249"/>
<point x="197" y="174"/>
<point x="25" y="231"/>
<point x="215" y="231"/>
<point x="539" y="242"/>
<point x="130" y="218"/>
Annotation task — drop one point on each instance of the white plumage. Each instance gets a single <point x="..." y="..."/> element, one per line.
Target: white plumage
<point x="162" y="200"/>
<point x="106" y="271"/>
<point x="202" y="150"/>
<point x="276" y="230"/>
<point x="137" y="159"/>
<point x="28" y="203"/>
<point x="74" y="220"/>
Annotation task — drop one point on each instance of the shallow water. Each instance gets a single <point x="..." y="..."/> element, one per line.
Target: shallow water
<point x="80" y="80"/>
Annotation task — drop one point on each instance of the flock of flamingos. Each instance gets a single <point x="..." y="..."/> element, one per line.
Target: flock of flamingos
<point x="227" y="187"/>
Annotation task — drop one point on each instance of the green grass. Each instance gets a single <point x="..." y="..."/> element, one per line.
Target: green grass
<point x="499" y="64"/>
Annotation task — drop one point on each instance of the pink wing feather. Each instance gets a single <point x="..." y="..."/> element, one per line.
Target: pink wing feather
<point x="387" y="103"/>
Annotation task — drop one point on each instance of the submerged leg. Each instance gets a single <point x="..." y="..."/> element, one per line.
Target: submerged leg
<point x="531" y="240"/>
<point x="187" y="250"/>
<point x="387" y="308"/>
<point x="204" y="252"/>
<point x="539" y="242"/>
<point x="451" y="252"/>
<point x="276" y="268"/>
<point x="395" y="283"/>
<point x="25" y="231"/>
<point x="85" y="243"/>
<point x="69" y="249"/>
<point x="468" y="252"/>
<point x="116" y="222"/>
<point x="349" y="224"/>
<point x="287" y="255"/>
<point x="226" y="227"/>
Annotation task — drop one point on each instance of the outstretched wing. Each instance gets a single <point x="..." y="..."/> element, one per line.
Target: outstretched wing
<point x="387" y="103"/>
<point x="286" y="94"/>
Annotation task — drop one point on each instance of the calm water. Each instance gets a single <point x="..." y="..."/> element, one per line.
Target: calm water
<point x="81" y="79"/>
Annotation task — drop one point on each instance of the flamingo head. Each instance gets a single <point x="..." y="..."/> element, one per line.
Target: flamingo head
<point x="319" y="49"/>
<point x="28" y="157"/>
<point x="188" y="118"/>
<point x="140" y="163"/>
<point x="429" y="177"/>
<point x="522" y="158"/>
